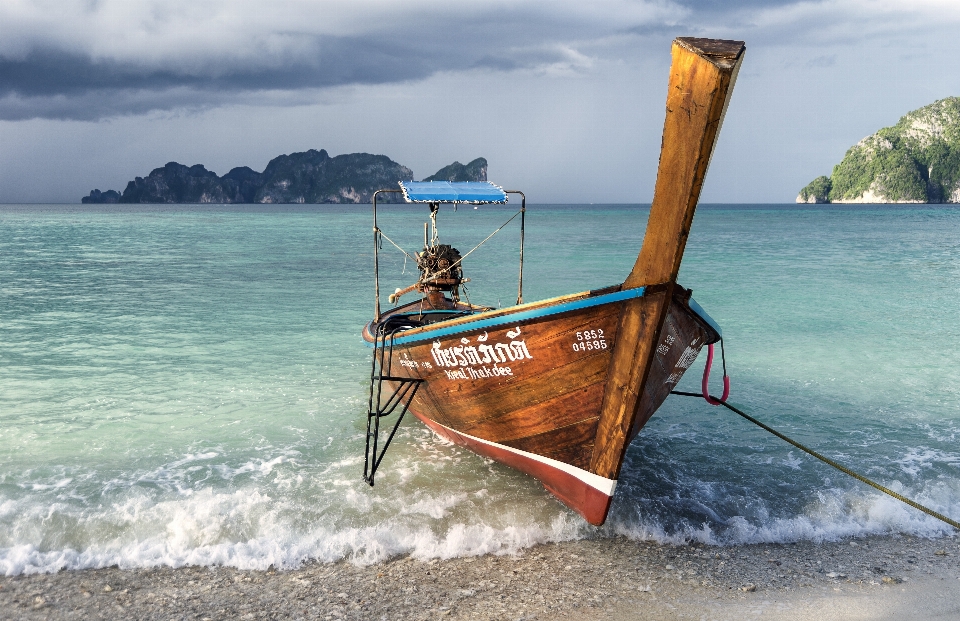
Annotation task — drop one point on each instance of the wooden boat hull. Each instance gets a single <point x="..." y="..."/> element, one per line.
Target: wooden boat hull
<point x="525" y="386"/>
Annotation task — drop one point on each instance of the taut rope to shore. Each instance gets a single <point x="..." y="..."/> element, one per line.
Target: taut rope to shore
<point x="825" y="459"/>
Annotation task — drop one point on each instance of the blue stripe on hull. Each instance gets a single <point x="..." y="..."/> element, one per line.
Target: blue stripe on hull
<point x="702" y="314"/>
<point x="545" y="311"/>
<point x="513" y="318"/>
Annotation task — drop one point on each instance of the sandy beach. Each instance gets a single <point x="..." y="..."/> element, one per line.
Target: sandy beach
<point x="900" y="577"/>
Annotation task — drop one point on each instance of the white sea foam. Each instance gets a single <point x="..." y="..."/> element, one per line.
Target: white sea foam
<point x="251" y="530"/>
<point x="256" y="466"/>
<point x="918" y="459"/>
<point x="835" y="514"/>
<point x="40" y="487"/>
<point x="436" y="501"/>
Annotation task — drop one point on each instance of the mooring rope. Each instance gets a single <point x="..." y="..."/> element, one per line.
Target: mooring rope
<point x="827" y="460"/>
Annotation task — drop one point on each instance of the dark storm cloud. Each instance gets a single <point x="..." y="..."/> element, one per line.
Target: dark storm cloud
<point x="338" y="61"/>
<point x="59" y="84"/>
<point x="113" y="58"/>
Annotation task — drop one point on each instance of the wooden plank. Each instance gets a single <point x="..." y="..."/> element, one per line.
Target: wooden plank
<point x="717" y="49"/>
<point x="535" y="385"/>
<point x="701" y="76"/>
<point x="577" y="455"/>
<point x="681" y="339"/>
<point x="564" y="443"/>
<point x="639" y="325"/>
<point x="494" y="313"/>
<point x="560" y="385"/>
<point x="550" y="401"/>
<point x="697" y="98"/>
<point x="555" y="369"/>
<point x="568" y="408"/>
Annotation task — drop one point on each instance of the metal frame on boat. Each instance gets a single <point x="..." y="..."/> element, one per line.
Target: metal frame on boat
<point x="558" y="388"/>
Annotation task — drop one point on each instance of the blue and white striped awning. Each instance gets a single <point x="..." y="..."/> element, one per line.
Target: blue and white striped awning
<point x="476" y="192"/>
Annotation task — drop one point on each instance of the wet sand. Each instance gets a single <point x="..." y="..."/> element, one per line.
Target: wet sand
<point x="898" y="577"/>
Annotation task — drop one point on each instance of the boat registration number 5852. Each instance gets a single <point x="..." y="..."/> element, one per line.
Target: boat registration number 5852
<point x="589" y="340"/>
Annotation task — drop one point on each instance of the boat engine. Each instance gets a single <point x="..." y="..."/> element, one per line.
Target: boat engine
<point x="440" y="271"/>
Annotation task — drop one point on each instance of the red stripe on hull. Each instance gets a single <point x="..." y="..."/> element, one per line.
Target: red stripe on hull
<point x="583" y="498"/>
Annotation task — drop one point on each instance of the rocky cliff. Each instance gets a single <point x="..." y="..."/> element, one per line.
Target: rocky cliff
<point x="315" y="177"/>
<point x="96" y="196"/>
<point x="915" y="161"/>
<point x="308" y="177"/>
<point x="474" y="171"/>
<point x="176" y="183"/>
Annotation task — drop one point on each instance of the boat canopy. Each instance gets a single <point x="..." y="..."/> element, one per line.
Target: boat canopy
<point x="476" y="192"/>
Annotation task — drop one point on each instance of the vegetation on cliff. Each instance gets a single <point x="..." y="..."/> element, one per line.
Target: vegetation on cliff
<point x="176" y="183"/>
<point x="308" y="177"/>
<point x="915" y="161"/>
<point x="315" y="177"/>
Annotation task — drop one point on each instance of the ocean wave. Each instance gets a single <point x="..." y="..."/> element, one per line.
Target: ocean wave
<point x="250" y="529"/>
<point x="832" y="515"/>
<point x="265" y="524"/>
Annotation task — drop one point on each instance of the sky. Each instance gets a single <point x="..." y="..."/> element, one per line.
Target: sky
<point x="564" y="98"/>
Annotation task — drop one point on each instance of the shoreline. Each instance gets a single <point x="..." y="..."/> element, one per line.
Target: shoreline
<point x="879" y="577"/>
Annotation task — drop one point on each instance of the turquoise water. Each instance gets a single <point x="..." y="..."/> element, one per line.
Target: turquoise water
<point x="187" y="384"/>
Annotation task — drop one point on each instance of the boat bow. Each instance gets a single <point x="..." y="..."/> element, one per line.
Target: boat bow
<point x="559" y="388"/>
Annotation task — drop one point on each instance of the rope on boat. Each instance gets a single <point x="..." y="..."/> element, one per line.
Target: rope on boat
<point x="458" y="261"/>
<point x="826" y="460"/>
<point x="455" y="263"/>
<point x="705" y="383"/>
<point x="384" y="235"/>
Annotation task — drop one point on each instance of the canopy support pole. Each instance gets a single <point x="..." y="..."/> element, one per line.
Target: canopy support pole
<point x="376" y="257"/>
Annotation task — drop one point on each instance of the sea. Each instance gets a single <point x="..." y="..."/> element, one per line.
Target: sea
<point x="187" y="385"/>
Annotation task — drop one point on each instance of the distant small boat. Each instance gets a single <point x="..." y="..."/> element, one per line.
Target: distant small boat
<point x="556" y="388"/>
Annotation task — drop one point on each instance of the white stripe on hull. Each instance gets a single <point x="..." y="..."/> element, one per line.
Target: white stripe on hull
<point x="597" y="482"/>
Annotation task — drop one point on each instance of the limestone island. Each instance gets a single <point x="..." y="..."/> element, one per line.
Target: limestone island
<point x="308" y="177"/>
<point x="915" y="161"/>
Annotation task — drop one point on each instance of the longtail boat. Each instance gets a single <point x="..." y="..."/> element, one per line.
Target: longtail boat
<point x="556" y="388"/>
